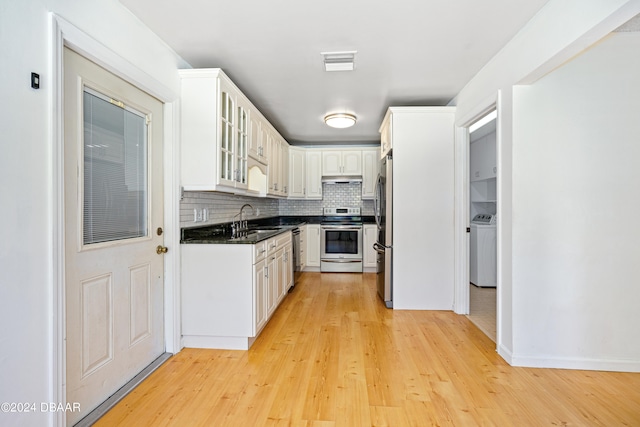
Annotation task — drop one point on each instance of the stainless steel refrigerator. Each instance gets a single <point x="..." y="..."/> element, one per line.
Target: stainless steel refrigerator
<point x="383" y="205"/>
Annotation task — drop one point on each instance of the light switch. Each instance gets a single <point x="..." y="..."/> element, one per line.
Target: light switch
<point x="35" y="81"/>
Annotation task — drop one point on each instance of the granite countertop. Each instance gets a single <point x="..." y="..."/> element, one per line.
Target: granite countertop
<point x="268" y="227"/>
<point x="257" y="231"/>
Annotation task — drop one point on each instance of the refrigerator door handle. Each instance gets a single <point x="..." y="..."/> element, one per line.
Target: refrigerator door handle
<point x="376" y="201"/>
<point x="379" y="247"/>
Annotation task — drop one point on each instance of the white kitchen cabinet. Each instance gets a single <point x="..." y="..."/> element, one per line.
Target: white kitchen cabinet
<point x="284" y="263"/>
<point x="229" y="292"/>
<point x="369" y="255"/>
<point x="257" y="142"/>
<point x="313" y="169"/>
<point x="385" y="137"/>
<point x="313" y="245"/>
<point x="303" y="247"/>
<point x="297" y="173"/>
<point x="342" y="163"/>
<point x="370" y="162"/>
<point x="278" y="165"/>
<point x="215" y="119"/>
<point x="274" y="162"/>
<point x="272" y="264"/>
<point x="284" y="168"/>
<point x="265" y="141"/>
<point x="287" y="270"/>
<point x="261" y="290"/>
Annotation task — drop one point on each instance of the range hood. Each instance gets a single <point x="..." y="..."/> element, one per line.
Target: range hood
<point x="334" y="179"/>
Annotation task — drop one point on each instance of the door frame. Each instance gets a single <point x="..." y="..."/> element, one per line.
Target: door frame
<point x="63" y="33"/>
<point x="463" y="205"/>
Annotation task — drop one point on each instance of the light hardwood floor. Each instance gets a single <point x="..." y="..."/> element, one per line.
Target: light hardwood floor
<point x="332" y="355"/>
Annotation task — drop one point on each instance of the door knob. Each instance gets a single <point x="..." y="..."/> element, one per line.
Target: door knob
<point x="161" y="250"/>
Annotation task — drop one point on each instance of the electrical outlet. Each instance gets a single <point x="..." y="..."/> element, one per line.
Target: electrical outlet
<point x="198" y="215"/>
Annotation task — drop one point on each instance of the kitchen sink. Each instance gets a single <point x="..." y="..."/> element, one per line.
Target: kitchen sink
<point x="254" y="233"/>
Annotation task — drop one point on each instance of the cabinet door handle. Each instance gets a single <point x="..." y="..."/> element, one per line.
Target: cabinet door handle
<point x="266" y="272"/>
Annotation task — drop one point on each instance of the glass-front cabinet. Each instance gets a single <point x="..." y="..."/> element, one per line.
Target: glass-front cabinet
<point x="242" y="144"/>
<point x="215" y="127"/>
<point x="227" y="125"/>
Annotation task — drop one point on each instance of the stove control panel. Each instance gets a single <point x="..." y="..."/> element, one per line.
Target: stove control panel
<point x="341" y="211"/>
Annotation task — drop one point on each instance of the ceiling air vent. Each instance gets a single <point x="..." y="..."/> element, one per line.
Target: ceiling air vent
<point x="339" y="61"/>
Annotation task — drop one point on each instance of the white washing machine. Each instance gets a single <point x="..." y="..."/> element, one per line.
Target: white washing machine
<point x="482" y="262"/>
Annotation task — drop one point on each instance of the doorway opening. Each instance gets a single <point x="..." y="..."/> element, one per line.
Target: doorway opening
<point x="483" y="224"/>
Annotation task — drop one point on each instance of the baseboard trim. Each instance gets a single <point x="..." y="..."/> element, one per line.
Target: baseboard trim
<point x="116" y="397"/>
<point x="610" y="365"/>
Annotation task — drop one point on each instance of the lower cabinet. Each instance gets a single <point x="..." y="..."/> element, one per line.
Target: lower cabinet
<point x="273" y="263"/>
<point x="229" y="291"/>
<point x="313" y="245"/>
<point x="260" y="284"/>
<point x="369" y="255"/>
<point x="303" y="247"/>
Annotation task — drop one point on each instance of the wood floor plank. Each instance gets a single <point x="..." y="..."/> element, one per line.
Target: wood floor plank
<point x="333" y="356"/>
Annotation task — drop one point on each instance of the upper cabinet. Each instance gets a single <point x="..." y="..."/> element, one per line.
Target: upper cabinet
<point x="257" y="141"/>
<point x="370" y="162"/>
<point x="307" y="166"/>
<point x="385" y="137"/>
<point x="297" y="173"/>
<point x="313" y="167"/>
<point x="215" y="128"/>
<point x="220" y="130"/>
<point x="342" y="163"/>
<point x="278" y="165"/>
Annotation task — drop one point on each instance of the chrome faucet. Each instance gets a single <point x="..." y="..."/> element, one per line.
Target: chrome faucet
<point x="238" y="228"/>
<point x="244" y="224"/>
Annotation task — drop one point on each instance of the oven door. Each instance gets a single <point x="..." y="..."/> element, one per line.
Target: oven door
<point x="341" y="248"/>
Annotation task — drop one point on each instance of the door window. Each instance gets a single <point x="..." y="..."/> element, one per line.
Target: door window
<point x="115" y="196"/>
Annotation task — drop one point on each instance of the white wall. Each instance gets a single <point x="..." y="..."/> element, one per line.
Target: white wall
<point x="26" y="253"/>
<point x="575" y="212"/>
<point x="558" y="32"/>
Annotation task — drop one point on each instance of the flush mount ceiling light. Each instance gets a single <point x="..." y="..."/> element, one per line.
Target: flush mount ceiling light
<point x="339" y="61"/>
<point x="340" y="120"/>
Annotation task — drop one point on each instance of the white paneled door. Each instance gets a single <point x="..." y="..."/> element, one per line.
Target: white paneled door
<point x="113" y="240"/>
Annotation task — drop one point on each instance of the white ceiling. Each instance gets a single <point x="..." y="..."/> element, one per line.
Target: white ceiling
<point x="410" y="52"/>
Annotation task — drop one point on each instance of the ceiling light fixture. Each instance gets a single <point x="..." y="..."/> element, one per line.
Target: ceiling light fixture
<point x="339" y="61"/>
<point x="340" y="120"/>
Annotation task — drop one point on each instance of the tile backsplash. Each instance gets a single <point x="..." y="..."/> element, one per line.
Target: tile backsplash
<point x="223" y="207"/>
<point x="333" y="195"/>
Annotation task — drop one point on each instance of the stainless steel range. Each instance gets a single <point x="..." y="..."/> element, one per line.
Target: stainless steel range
<point x="341" y="240"/>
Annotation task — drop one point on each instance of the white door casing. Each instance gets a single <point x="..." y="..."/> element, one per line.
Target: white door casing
<point x="114" y="289"/>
